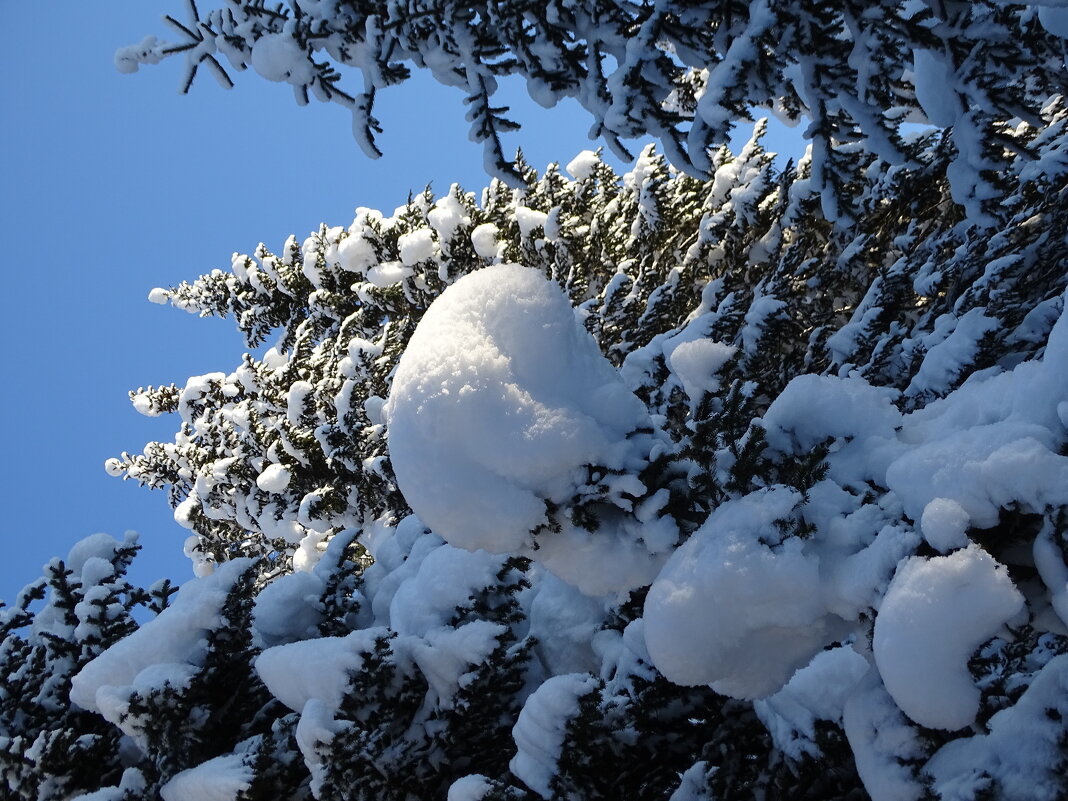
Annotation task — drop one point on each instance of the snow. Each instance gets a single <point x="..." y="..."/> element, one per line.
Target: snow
<point x="935" y="614"/>
<point x="934" y="82"/>
<point x="484" y="239"/>
<point x="90" y="563"/>
<point x="945" y="525"/>
<point x="497" y="411"/>
<point x="947" y="356"/>
<point x="356" y="254"/>
<point x="812" y="408"/>
<point x="387" y="273"/>
<point x="278" y="57"/>
<point x="1054" y="20"/>
<point x="498" y="402"/>
<point x="760" y="310"/>
<point x="287" y="609"/>
<point x="318" y="669"/>
<point x="448" y="214"/>
<point x="469" y="788"/>
<point x="445" y="580"/>
<point x="564" y="622"/>
<point x="730" y="611"/>
<point x="274" y="478"/>
<point x="817" y="691"/>
<point x="983" y="469"/>
<point x="529" y="220"/>
<point x="94" y="547"/>
<point x="316" y="728"/>
<point x="416" y="246"/>
<point x="1052" y="570"/>
<point x="166" y="650"/>
<point x="696" y="363"/>
<point x="131" y="785"/>
<point x="218" y="779"/>
<point x="882" y="741"/>
<point x="692" y="783"/>
<point x="296" y="402"/>
<point x="142" y="402"/>
<point x="609" y="560"/>
<point x="582" y="166"/>
<point x="159" y="295"/>
<point x="539" y="732"/>
<point x="129" y="59"/>
<point x="448" y="654"/>
<point x="398" y="552"/>
<point x="1023" y="749"/>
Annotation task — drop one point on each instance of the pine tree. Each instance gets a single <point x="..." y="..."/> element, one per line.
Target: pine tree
<point x="795" y="335"/>
<point x="682" y="74"/>
<point x="743" y="261"/>
<point x="653" y="260"/>
<point x="50" y="749"/>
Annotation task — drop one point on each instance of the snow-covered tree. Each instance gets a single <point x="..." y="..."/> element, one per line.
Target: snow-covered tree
<point x="711" y="480"/>
<point x="856" y="72"/>
<point x="837" y="432"/>
<point x="50" y="749"/>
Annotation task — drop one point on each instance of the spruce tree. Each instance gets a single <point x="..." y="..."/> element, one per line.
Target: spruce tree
<point x="851" y="371"/>
<point x="684" y="75"/>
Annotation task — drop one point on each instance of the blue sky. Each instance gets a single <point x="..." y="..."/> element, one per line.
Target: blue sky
<point x="111" y="185"/>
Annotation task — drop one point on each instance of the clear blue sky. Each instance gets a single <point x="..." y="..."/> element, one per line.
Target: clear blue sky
<point x="111" y="185"/>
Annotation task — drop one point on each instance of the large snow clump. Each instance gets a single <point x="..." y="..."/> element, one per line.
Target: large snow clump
<point x="500" y="402"/>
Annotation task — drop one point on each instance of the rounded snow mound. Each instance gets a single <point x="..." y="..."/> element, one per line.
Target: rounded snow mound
<point x="499" y="402"/>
